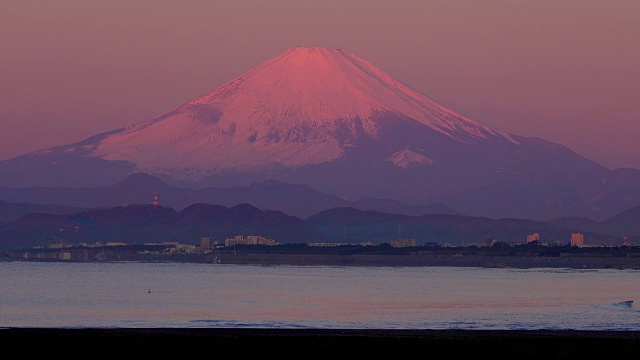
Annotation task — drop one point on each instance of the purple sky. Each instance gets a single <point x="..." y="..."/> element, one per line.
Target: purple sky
<point x="567" y="71"/>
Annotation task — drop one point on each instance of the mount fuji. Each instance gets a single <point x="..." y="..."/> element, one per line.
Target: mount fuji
<point x="321" y="117"/>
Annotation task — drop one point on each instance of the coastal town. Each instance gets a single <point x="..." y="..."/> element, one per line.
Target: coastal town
<point x="257" y="249"/>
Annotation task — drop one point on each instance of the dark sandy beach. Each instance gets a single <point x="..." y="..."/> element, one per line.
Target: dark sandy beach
<point x="303" y="343"/>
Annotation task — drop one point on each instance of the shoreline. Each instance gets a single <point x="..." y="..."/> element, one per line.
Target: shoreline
<point x="529" y="256"/>
<point x="372" y="260"/>
<point x="418" y="260"/>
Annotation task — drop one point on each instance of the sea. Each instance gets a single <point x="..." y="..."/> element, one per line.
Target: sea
<point x="199" y="295"/>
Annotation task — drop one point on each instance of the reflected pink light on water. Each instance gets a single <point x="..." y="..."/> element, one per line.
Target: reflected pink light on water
<point x="190" y="295"/>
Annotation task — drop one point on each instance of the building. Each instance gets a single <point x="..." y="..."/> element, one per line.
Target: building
<point x="403" y="243"/>
<point x="533" y="237"/>
<point x="249" y="240"/>
<point x="327" y="244"/>
<point x="259" y="240"/>
<point x="479" y="244"/>
<point x="183" y="249"/>
<point x="60" y="244"/>
<point x="577" y="239"/>
<point x="205" y="243"/>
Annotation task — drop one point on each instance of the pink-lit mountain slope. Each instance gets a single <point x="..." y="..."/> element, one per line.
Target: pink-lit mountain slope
<point x="306" y="106"/>
<point x="316" y="116"/>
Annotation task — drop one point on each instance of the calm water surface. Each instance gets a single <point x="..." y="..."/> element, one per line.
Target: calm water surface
<point x="40" y="294"/>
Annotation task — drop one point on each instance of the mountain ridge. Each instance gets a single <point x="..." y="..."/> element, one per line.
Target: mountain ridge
<point x="293" y="199"/>
<point x="140" y="223"/>
<point x="319" y="117"/>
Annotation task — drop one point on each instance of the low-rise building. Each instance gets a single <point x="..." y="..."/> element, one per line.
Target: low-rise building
<point x="479" y="244"/>
<point x="116" y="243"/>
<point x="327" y="244"/>
<point x="249" y="240"/>
<point x="403" y="243"/>
<point x="183" y="249"/>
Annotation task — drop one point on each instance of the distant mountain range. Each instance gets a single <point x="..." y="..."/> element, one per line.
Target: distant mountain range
<point x="596" y="194"/>
<point x="135" y="223"/>
<point x="352" y="225"/>
<point x="148" y="223"/>
<point x="344" y="132"/>
<point x="10" y="211"/>
<point x="139" y="188"/>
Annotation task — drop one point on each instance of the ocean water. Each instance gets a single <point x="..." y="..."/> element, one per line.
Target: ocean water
<point x="186" y="295"/>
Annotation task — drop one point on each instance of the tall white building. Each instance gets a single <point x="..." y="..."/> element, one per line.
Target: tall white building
<point x="533" y="237"/>
<point x="577" y="239"/>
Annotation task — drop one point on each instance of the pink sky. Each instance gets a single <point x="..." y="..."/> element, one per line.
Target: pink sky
<point x="563" y="70"/>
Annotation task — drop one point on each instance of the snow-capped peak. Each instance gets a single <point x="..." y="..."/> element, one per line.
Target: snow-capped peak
<point x="304" y="106"/>
<point x="316" y="85"/>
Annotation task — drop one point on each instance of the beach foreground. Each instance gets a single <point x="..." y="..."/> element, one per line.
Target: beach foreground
<point x="301" y="343"/>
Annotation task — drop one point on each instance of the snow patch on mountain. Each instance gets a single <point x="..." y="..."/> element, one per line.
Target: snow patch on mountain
<point x="409" y="158"/>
